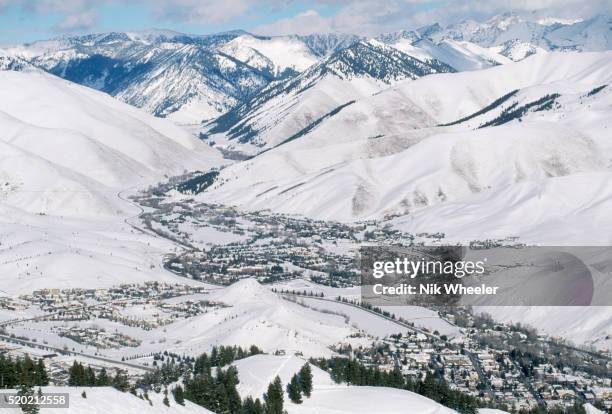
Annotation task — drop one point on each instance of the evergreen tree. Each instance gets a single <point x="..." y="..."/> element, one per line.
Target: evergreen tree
<point x="294" y="390"/>
<point x="259" y="407"/>
<point x="26" y="390"/>
<point x="41" y="374"/>
<point x="120" y="381"/>
<point x="179" y="397"/>
<point x="306" y="379"/>
<point x="250" y="406"/>
<point x="76" y="375"/>
<point x="90" y="377"/>
<point x="274" y="398"/>
<point x="103" y="379"/>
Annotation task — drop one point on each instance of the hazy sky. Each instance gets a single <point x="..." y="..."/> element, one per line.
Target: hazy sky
<point x="27" y="20"/>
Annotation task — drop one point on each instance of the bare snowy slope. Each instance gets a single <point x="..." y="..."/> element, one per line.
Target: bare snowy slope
<point x="62" y="136"/>
<point x="588" y="326"/>
<point x="460" y="55"/>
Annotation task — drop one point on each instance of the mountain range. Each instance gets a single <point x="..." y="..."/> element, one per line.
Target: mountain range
<point x="193" y="78"/>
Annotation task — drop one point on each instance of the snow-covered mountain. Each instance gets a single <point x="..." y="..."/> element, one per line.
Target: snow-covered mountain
<point x="67" y="154"/>
<point x="471" y="45"/>
<point x="194" y="78"/>
<point x="189" y="78"/>
<point x="256" y="315"/>
<point x="286" y="110"/>
<point x="518" y="131"/>
<point x="551" y="34"/>
<point x="460" y="55"/>
<point x="161" y="73"/>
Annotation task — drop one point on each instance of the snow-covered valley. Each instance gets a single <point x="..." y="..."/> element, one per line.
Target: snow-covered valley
<point x="165" y="195"/>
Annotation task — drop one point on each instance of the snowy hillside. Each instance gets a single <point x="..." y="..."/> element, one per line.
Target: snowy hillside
<point x="459" y="55"/>
<point x="257" y="316"/>
<point x="112" y="145"/>
<point x="286" y="110"/>
<point x="256" y="372"/>
<point x="579" y="325"/>
<point x="273" y="54"/>
<point x="69" y="152"/>
<point x="373" y="152"/>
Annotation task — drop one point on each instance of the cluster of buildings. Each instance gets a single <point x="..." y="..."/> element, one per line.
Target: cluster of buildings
<point x="491" y="374"/>
<point x="116" y="304"/>
<point x="96" y="337"/>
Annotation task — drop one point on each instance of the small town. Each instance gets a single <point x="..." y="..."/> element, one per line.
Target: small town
<point x="497" y="371"/>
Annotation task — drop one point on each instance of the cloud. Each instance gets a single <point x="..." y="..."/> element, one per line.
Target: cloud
<point x="303" y="23"/>
<point x="199" y="11"/>
<point x="365" y="17"/>
<point x="371" y="17"/>
<point x="74" y="22"/>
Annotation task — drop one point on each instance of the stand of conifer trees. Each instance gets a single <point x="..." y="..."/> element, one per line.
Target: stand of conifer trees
<point x="20" y="371"/>
<point x="79" y="376"/>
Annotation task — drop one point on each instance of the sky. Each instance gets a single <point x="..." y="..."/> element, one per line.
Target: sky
<point x="28" y="20"/>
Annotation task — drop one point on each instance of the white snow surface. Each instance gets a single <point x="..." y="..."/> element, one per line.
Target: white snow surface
<point x="108" y="400"/>
<point x="271" y="53"/>
<point x="580" y="325"/>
